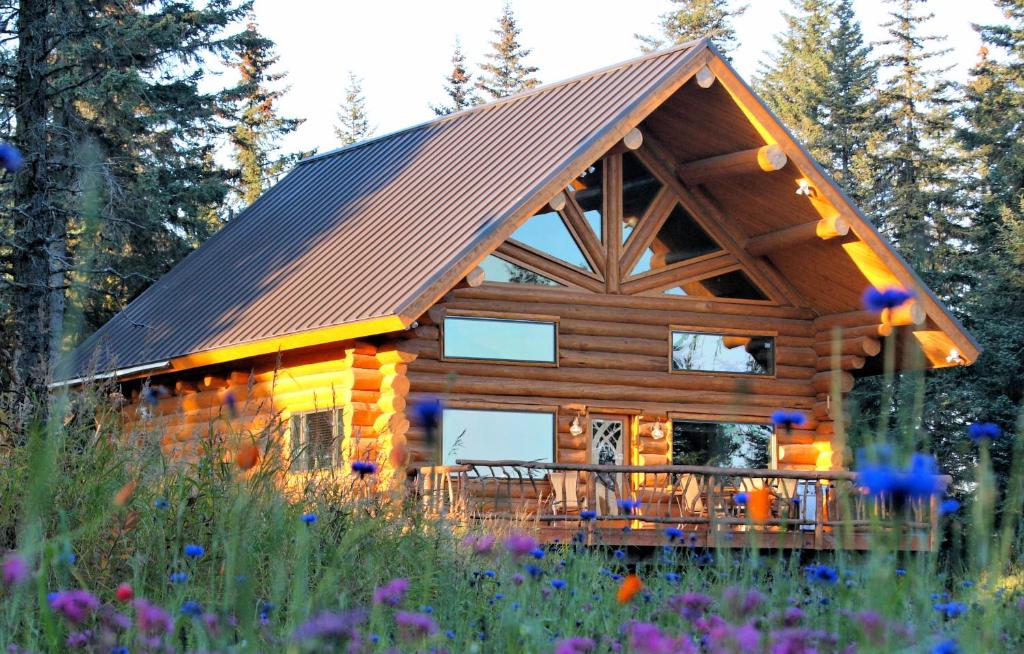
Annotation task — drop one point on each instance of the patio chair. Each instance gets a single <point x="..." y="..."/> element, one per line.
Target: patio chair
<point x="565" y="487"/>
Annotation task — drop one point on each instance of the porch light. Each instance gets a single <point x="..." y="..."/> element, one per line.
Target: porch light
<point x="576" y="428"/>
<point x="954" y="357"/>
<point x="804" y="188"/>
<point x="657" y="432"/>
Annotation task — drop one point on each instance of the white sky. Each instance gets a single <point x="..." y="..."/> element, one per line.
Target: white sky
<point x="402" y="48"/>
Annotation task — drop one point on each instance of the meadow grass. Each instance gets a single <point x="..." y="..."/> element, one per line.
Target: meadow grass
<point x="113" y="549"/>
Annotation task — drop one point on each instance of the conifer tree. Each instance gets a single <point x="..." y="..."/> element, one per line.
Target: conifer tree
<point x="459" y="86"/>
<point x="353" y="124"/>
<point x="259" y="127"/>
<point x="505" y="72"/>
<point x="695" y="19"/>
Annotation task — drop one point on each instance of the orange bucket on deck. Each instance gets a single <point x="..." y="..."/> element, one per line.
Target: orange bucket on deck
<point x="759" y="504"/>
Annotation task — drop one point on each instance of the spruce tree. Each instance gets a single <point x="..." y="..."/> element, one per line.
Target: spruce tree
<point x="353" y="124"/>
<point x="459" y="86"/>
<point x="258" y="126"/>
<point x="505" y="72"/>
<point x="695" y="19"/>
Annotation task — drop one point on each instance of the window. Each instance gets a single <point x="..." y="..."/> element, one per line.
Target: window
<point x="546" y="232"/>
<point x="752" y="355"/>
<point x="722" y="444"/>
<point x="679" y="239"/>
<point x="639" y="187"/>
<point x="486" y="434"/>
<point x="316" y="439"/>
<point x="499" y="270"/>
<point x="733" y="285"/>
<point x="500" y="339"/>
<point x="588" y="191"/>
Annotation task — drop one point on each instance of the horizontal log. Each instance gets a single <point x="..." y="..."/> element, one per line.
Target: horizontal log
<point x="849" y="319"/>
<point x="863" y="346"/>
<point x="823" y="381"/>
<point x="570" y="442"/>
<point x="846" y="362"/>
<point x="799" y="454"/>
<point x="803" y="357"/>
<point x="794" y="437"/>
<point x="767" y="158"/>
<point x="825" y="228"/>
<point x="653" y="446"/>
<point x="872" y="331"/>
<point x="794" y="372"/>
<point x="572" y="456"/>
<point x="619" y="344"/>
<point x="654" y="460"/>
<point x="604" y="361"/>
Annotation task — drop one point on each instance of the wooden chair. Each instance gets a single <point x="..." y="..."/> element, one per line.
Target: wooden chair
<point x="565" y="490"/>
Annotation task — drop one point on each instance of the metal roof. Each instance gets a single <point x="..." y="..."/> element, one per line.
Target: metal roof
<point x="359" y="233"/>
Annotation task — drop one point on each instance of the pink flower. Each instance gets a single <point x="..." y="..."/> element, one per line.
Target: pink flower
<point x="520" y="544"/>
<point x="391" y="593"/>
<point x="74" y="605"/>
<point x="740" y="603"/>
<point x="574" y="645"/>
<point x="15" y="570"/>
<point x="480" y="544"/>
<point x="151" y="619"/>
<point x="726" y="638"/>
<point x="415" y="625"/>
<point x="689" y="605"/>
<point x="792" y="616"/>
<point x="645" y="638"/>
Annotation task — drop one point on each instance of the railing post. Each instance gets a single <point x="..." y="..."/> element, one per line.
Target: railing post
<point x="933" y="526"/>
<point x="819" y="515"/>
<point x="591" y="505"/>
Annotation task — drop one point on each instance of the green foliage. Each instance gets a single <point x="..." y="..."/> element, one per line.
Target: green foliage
<point x="458" y="87"/>
<point x="353" y="124"/>
<point x="505" y="72"/>
<point x="695" y="19"/>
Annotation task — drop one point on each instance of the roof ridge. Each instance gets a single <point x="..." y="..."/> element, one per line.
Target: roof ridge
<point x="505" y="100"/>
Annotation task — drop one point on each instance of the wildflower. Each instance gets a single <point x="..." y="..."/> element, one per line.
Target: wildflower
<point x="673" y="533"/>
<point x="951" y="609"/>
<point x="179" y="577"/>
<point x="231" y="404"/>
<point x="919" y="480"/>
<point x="690" y="606"/>
<point x="427" y="414"/>
<point x="628" y="506"/>
<point x="391" y="593"/>
<point x="517" y="579"/>
<point x="490" y="574"/>
<point x="946" y="647"/>
<point x="124" y="592"/>
<point x="191" y="608"/>
<point x="759" y="504"/>
<point x="162" y="504"/>
<point x="631" y="585"/>
<point x="194" y="551"/>
<point x="558" y="584"/>
<point x="308" y="518"/>
<point x="247" y="457"/>
<point x="14" y="570"/>
<point x="537" y="553"/>
<point x="415" y="625"/>
<point x="588" y="515"/>
<point x="821" y="573"/>
<point x="520" y="544"/>
<point x="741" y="498"/>
<point x="364" y="468"/>
<point x="673" y="577"/>
<point x="336" y="627"/>
<point x="948" y="506"/>
<point x="900" y="572"/>
<point x="619" y="554"/>
<point x="77" y="639"/>
<point x="645" y="638"/>
<point x="792" y="616"/>
<point x="74" y="605"/>
<point x="10" y="158"/>
<point x="533" y="570"/>
<point x="574" y="645"/>
<point x="481" y="544"/>
<point x="887" y="298"/>
<point x="68" y="558"/>
<point x="788" y="419"/>
<point x="984" y="431"/>
<point x="742" y="603"/>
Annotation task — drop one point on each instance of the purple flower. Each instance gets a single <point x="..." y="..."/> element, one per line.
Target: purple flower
<point x="520" y="544"/>
<point x="74" y="605"/>
<point x="480" y="544"/>
<point x="792" y="616"/>
<point x="574" y="645"/>
<point x="887" y="298"/>
<point x="742" y="603"/>
<point x="984" y="431"/>
<point x="415" y="625"/>
<point x="628" y="506"/>
<point x="427" y="414"/>
<point x="392" y="592"/>
<point x="194" y="551"/>
<point x="645" y="638"/>
<point x="363" y="468"/>
<point x="335" y="627"/>
<point x="788" y="419"/>
<point x="690" y="606"/>
<point x="14" y="570"/>
<point x="77" y="639"/>
<point x="724" y="637"/>
<point x="231" y="404"/>
<point x="10" y="158"/>
<point x="151" y="619"/>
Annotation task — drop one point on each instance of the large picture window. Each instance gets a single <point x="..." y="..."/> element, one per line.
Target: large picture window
<point x="316" y="439"/>
<point x="722" y="444"/>
<point x="531" y="341"/>
<point x="489" y="434"/>
<point x="751" y="355"/>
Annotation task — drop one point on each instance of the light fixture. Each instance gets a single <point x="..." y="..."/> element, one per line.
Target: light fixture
<point x="954" y="357"/>
<point x="576" y="428"/>
<point x="804" y="188"/>
<point x="657" y="432"/>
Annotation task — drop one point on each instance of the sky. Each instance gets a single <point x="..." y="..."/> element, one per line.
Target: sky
<point x="402" y="48"/>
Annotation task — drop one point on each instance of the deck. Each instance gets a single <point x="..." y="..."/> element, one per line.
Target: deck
<point x="626" y="505"/>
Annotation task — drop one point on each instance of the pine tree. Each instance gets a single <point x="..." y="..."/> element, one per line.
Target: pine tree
<point x="353" y="124"/>
<point x="695" y="19"/>
<point x="259" y="127"/>
<point x="506" y="72"/>
<point x="459" y="87"/>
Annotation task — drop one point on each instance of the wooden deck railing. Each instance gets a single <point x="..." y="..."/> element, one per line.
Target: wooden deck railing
<point x="803" y="509"/>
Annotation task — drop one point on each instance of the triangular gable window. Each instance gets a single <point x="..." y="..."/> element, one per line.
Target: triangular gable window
<point x="679" y="239"/>
<point x="735" y="285"/>
<point x="639" y="187"/>
<point x="547" y="232"/>
<point x="588" y="191"/>
<point x="499" y="270"/>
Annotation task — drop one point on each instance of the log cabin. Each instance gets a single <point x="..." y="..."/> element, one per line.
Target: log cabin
<point x="610" y="283"/>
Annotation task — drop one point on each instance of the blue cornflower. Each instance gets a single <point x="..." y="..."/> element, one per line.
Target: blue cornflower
<point x="946" y="647"/>
<point x="449" y="634"/>
<point x="363" y="468"/>
<point x="427" y="414"/>
<point x="533" y="570"/>
<point x="821" y="573"/>
<point x="179" y="577"/>
<point x="426" y="608"/>
<point x="308" y="518"/>
<point x="951" y="609"/>
<point x="10" y="157"/>
<point x="673" y="533"/>
<point x="68" y="558"/>
<point x="672" y="576"/>
<point x="967" y="583"/>
<point x="619" y="554"/>
<point x="231" y="404"/>
<point x="537" y="553"/>
<point x="629" y="506"/>
<point x="558" y="583"/>
<point x="948" y="506"/>
<point x="499" y="596"/>
<point x="162" y="504"/>
<point x="887" y="298"/>
<point x="788" y="419"/>
<point x="588" y="515"/>
<point x="120" y="649"/>
<point x="740" y="498"/>
<point x="194" y="551"/>
<point x="490" y="573"/>
<point x="900" y="572"/>
<point x="984" y="431"/>
<point x="191" y="608"/>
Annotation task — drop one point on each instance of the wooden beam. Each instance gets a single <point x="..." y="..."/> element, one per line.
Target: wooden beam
<point x="585" y="237"/>
<point x="633" y="139"/>
<point x="681" y="272"/>
<point x="473" y="279"/>
<point x="705" y="78"/>
<point x="549" y="267"/>
<point x="557" y="203"/>
<point x="767" y="158"/>
<point x="825" y="228"/>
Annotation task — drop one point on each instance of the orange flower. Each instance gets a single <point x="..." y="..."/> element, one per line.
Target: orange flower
<point x="631" y="585"/>
<point x="247" y="457"/>
<point x="759" y="503"/>
<point x="122" y="496"/>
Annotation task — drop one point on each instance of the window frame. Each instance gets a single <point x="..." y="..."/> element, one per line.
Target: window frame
<point x="498" y="408"/>
<point x="506" y="317"/>
<point x="724" y="331"/>
<point x="298" y="441"/>
<point x="773" y="443"/>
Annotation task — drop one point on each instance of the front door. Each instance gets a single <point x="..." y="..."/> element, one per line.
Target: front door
<point x="609" y="440"/>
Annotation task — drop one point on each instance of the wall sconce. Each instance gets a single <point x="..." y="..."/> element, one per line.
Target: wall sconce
<point x="804" y="188"/>
<point x="954" y="357"/>
<point x="576" y="428"/>
<point x="657" y="431"/>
